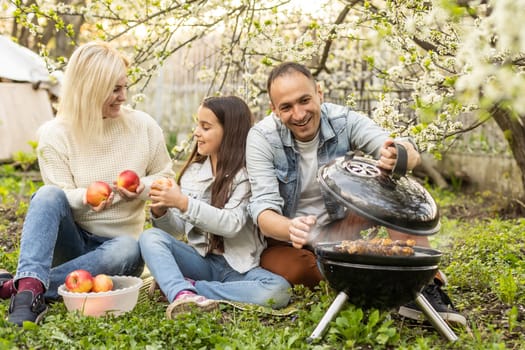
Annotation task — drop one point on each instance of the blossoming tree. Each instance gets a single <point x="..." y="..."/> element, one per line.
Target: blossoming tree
<point x="426" y="63"/>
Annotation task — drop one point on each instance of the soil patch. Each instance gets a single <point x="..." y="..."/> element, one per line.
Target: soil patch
<point x="482" y="205"/>
<point x="10" y="228"/>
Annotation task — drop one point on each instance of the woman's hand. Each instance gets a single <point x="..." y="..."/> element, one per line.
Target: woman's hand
<point x="128" y="195"/>
<point x="103" y="205"/>
<point x="300" y="228"/>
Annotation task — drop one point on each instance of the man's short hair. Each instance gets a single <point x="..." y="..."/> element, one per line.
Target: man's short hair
<point x="287" y="68"/>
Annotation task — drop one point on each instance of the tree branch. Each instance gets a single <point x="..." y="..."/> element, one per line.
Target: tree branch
<point x="326" y="51"/>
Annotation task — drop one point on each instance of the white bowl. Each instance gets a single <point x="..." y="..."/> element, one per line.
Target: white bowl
<point x="121" y="299"/>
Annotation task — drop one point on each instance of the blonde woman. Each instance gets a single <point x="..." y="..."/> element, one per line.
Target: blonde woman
<point x="93" y="138"/>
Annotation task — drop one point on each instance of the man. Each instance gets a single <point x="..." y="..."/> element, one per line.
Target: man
<point x="284" y="152"/>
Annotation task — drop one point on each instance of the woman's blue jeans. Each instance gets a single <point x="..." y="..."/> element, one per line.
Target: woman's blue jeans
<point x="170" y="260"/>
<point x="53" y="245"/>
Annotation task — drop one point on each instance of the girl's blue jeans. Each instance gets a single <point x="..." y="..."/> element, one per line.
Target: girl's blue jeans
<point x="53" y="245"/>
<point x="171" y="260"/>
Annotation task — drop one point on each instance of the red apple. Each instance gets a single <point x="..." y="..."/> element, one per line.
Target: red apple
<point x="102" y="283"/>
<point x="79" y="281"/>
<point x="129" y="180"/>
<point x="162" y="182"/>
<point x="97" y="192"/>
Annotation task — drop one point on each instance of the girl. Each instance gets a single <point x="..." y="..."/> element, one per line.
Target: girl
<point x="208" y="205"/>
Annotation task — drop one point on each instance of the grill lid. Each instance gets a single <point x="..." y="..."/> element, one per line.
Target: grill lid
<point x="396" y="202"/>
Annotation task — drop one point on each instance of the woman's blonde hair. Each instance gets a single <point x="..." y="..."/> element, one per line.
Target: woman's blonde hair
<point x="90" y="78"/>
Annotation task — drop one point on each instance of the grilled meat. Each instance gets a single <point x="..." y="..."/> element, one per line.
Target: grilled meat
<point x="378" y="246"/>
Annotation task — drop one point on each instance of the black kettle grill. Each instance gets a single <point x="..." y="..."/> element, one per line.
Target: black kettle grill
<point x="397" y="202"/>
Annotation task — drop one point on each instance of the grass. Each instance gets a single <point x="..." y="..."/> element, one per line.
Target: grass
<point x="483" y="257"/>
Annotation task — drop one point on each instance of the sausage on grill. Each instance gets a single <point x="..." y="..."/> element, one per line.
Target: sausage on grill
<point x="378" y="246"/>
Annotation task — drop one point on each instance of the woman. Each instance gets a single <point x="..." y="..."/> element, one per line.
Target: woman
<point x="93" y="138"/>
<point x="208" y="205"/>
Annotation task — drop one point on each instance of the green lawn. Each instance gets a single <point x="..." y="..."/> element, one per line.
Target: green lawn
<point x="483" y="259"/>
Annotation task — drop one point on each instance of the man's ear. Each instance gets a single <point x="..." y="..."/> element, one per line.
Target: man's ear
<point x="272" y="108"/>
<point x="319" y="92"/>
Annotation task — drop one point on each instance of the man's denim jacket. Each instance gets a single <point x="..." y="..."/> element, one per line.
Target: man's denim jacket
<point x="272" y="158"/>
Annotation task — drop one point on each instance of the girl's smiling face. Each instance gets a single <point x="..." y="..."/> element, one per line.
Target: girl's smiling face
<point x="208" y="133"/>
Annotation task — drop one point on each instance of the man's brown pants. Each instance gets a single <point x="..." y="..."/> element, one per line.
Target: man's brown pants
<point x="299" y="266"/>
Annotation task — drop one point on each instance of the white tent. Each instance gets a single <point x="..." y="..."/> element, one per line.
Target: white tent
<point x="25" y="89"/>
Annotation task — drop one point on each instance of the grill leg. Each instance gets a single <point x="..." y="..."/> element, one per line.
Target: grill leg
<point x="329" y="315"/>
<point x="435" y="318"/>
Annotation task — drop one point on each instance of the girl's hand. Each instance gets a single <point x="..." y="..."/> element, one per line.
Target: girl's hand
<point x="165" y="195"/>
<point x="158" y="211"/>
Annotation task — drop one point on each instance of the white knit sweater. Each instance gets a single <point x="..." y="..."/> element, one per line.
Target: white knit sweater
<point x="139" y="147"/>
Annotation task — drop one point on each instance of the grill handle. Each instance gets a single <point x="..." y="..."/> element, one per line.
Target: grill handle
<point x="400" y="168"/>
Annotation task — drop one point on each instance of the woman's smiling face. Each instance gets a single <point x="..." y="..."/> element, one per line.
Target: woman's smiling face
<point x="111" y="108"/>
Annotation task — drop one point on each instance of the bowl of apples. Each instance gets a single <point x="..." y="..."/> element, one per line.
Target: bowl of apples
<point x="101" y="294"/>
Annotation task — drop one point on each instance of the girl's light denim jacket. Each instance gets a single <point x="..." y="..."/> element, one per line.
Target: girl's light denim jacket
<point x="242" y="243"/>
<point x="272" y="158"/>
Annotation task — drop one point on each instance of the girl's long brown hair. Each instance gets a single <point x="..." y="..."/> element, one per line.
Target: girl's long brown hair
<point x="236" y="119"/>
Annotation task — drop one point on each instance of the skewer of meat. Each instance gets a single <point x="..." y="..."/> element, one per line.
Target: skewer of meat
<point x="378" y="246"/>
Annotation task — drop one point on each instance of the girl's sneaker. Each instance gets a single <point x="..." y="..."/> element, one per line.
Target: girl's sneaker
<point x="185" y="301"/>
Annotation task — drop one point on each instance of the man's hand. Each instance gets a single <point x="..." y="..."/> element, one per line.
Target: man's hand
<point x="388" y="155"/>
<point x="300" y="228"/>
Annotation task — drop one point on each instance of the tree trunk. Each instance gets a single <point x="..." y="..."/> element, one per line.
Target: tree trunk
<point x="427" y="168"/>
<point x="514" y="130"/>
<point x="57" y="42"/>
<point x="62" y="41"/>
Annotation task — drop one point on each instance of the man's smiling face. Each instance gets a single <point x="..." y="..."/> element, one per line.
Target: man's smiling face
<point x="296" y="100"/>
